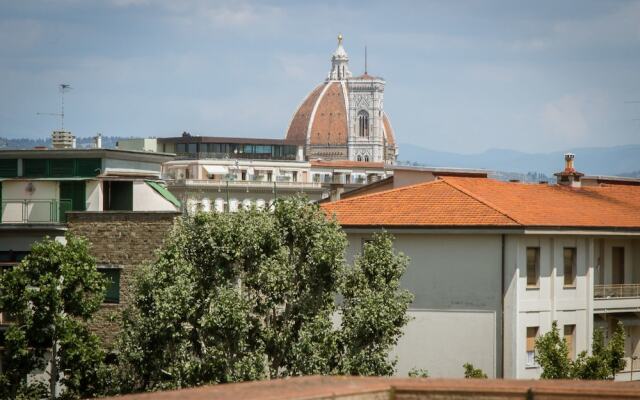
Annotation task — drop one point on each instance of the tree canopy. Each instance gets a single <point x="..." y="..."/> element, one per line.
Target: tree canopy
<point x="254" y="294"/>
<point x="48" y="299"/>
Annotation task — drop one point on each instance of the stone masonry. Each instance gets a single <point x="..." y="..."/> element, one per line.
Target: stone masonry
<point x="124" y="240"/>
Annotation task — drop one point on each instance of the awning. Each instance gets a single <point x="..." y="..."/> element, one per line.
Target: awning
<point x="164" y="192"/>
<point x="216" y="169"/>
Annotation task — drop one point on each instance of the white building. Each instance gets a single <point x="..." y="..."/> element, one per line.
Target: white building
<point x="494" y="263"/>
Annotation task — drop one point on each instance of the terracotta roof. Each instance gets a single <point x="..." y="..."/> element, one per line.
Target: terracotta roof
<point x="329" y="125"/>
<point x="300" y="121"/>
<point x="473" y="202"/>
<point x="346" y="164"/>
<point x="388" y="130"/>
<point x="426" y="204"/>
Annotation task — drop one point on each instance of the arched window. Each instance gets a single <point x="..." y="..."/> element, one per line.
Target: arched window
<point x="366" y="158"/>
<point x="359" y="158"/>
<point x="363" y="124"/>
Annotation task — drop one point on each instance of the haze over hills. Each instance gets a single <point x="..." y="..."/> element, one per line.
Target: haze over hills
<point x="616" y="160"/>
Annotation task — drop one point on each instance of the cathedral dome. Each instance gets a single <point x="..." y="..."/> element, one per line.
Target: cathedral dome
<point x="322" y="118"/>
<point x="343" y="118"/>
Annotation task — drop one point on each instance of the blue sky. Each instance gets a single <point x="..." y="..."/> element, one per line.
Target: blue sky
<point x="462" y="76"/>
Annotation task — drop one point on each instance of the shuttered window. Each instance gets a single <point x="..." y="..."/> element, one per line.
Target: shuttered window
<point x="8" y="168"/>
<point x="62" y="167"/>
<point x="533" y="267"/>
<point x="617" y="265"/>
<point x="532" y="333"/>
<point x="570" y="266"/>
<point x="88" y="166"/>
<point x="570" y="338"/>
<point x="35" y="167"/>
<point x="112" y="294"/>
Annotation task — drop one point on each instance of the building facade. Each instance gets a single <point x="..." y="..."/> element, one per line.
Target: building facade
<point x="343" y="118"/>
<point x="493" y="264"/>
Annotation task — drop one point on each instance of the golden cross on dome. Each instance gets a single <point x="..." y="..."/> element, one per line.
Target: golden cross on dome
<point x="339" y="39"/>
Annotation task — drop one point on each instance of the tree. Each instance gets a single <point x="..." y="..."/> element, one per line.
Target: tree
<point x="49" y="297"/>
<point x="604" y="361"/>
<point x="374" y="310"/>
<point x="418" y="373"/>
<point x="474" y="373"/>
<point x="552" y="354"/>
<point x="252" y="294"/>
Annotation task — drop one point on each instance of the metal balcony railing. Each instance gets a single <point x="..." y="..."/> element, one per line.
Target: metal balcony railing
<point x="23" y="211"/>
<point x="616" y="291"/>
<point x="242" y="184"/>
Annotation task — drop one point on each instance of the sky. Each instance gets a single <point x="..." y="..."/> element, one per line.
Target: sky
<point x="461" y="76"/>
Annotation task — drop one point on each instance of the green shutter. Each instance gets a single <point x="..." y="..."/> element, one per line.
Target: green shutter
<point x="112" y="294"/>
<point x="63" y="167"/>
<point x="74" y="191"/>
<point x="8" y="168"/>
<point x="88" y="166"/>
<point x="35" y="167"/>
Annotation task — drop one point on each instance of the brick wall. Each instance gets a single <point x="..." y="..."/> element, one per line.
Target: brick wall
<point x="124" y="239"/>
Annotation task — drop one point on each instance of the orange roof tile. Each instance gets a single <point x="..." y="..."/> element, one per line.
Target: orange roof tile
<point x="462" y="201"/>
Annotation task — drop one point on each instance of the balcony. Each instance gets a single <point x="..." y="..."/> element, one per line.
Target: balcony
<point x="616" y="297"/>
<point x="221" y="185"/>
<point x="22" y="211"/>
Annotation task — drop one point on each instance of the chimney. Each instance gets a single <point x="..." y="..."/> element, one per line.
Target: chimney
<point x="98" y="141"/>
<point x="73" y="142"/>
<point x="569" y="177"/>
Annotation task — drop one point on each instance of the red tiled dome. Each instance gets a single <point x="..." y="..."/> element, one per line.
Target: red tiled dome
<point x="322" y="117"/>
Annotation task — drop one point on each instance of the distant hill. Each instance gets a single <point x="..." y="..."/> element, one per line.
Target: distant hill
<point x="617" y="160"/>
<point x="108" y="142"/>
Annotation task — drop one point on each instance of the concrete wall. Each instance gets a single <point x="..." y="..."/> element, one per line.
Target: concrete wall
<point x="113" y="166"/>
<point x="457" y="308"/>
<point x="147" y="199"/>
<point x="94" y="195"/>
<point x="37" y="211"/>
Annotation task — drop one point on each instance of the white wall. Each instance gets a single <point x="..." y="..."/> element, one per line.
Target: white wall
<point x="37" y="211"/>
<point x="456" y="283"/>
<point x="94" y="195"/>
<point x="147" y="199"/>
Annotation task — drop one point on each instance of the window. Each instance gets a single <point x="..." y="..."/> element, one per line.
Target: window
<point x="366" y="158"/>
<point x="363" y="124"/>
<point x="366" y="241"/>
<point x="533" y="267"/>
<point x="570" y="338"/>
<point x="570" y="266"/>
<point x="359" y="158"/>
<point x="112" y="294"/>
<point x="532" y="333"/>
<point x="617" y="265"/>
<point x="181" y="148"/>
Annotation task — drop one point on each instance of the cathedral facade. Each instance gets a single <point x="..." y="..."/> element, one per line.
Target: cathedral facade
<point x="343" y="118"/>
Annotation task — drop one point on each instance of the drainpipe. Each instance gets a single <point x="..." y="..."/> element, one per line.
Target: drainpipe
<point x="502" y="287"/>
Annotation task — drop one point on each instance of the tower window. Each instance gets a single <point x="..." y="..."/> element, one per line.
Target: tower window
<point x="363" y="123"/>
<point x="359" y="158"/>
<point x="366" y="158"/>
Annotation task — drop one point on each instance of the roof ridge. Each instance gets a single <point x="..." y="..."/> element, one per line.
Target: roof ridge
<point x="438" y="180"/>
<point x="480" y="199"/>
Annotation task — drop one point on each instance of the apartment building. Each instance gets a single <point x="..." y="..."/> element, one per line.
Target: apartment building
<point x="493" y="264"/>
<point x="114" y="198"/>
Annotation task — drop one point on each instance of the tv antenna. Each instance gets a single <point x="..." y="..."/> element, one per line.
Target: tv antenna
<point x="63" y="88"/>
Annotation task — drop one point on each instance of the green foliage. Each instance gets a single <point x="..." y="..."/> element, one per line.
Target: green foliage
<point x="249" y="295"/>
<point x="552" y="354"/>
<point x="374" y="309"/>
<point x="49" y="297"/>
<point x="474" y="373"/>
<point x="418" y="373"/>
<point x="604" y="361"/>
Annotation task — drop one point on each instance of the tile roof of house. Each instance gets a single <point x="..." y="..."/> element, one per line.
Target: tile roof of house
<point x="483" y="202"/>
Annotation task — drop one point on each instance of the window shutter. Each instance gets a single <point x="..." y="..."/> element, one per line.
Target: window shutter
<point x="88" y="167"/>
<point x="62" y="167"/>
<point x="532" y="332"/>
<point x="569" y="336"/>
<point x="112" y="294"/>
<point x="35" y="167"/>
<point x="8" y="168"/>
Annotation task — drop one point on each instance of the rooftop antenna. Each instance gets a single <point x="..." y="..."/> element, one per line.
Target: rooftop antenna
<point x="63" y="88"/>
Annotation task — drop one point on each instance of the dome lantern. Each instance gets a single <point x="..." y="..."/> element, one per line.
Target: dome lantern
<point x="339" y="63"/>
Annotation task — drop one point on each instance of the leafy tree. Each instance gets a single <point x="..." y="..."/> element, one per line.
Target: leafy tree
<point x="605" y="360"/>
<point x="49" y="297"/>
<point x="552" y="354"/>
<point x="374" y="309"/>
<point x="418" y="373"/>
<point x="248" y="295"/>
<point x="471" y="372"/>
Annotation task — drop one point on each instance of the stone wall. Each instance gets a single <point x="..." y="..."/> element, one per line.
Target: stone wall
<point x="122" y="239"/>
